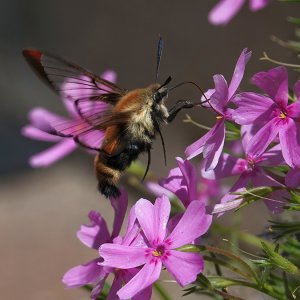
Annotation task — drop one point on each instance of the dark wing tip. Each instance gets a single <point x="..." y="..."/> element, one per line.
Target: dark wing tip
<point x="34" y="59"/>
<point x="32" y="54"/>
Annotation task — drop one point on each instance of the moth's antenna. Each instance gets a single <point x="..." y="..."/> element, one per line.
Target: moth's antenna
<point x="193" y="83"/>
<point x="159" y="54"/>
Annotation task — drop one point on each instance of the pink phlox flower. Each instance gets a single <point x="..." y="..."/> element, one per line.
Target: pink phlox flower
<point x="250" y="170"/>
<point x="211" y="144"/>
<point x="186" y="184"/>
<point x="160" y="248"/>
<point x="273" y="113"/>
<point x="93" y="235"/>
<point x="43" y="123"/>
<point x="225" y="10"/>
<point x="292" y="178"/>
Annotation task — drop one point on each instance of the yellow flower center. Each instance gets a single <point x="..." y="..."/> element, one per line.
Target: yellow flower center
<point x="282" y="115"/>
<point x="219" y="117"/>
<point x="157" y="253"/>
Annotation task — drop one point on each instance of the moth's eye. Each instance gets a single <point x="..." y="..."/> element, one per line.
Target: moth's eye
<point x="157" y="97"/>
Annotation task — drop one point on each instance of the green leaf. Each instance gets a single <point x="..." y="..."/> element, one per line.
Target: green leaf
<point x="291" y="1"/>
<point x="161" y="291"/>
<point x="279" y="261"/>
<point x="283" y="229"/>
<point x="232" y="132"/>
<point x="293" y="20"/>
<point x="248" y="271"/>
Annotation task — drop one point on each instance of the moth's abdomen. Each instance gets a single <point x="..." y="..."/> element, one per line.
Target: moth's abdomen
<point x="107" y="178"/>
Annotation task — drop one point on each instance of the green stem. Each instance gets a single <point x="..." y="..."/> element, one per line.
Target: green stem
<point x="266" y="57"/>
<point x="243" y="236"/>
<point x="266" y="289"/>
<point x="190" y="120"/>
<point x="161" y="291"/>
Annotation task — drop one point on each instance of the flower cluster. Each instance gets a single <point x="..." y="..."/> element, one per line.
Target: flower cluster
<point x="269" y="131"/>
<point x="151" y="241"/>
<point x="267" y="135"/>
<point x="225" y="10"/>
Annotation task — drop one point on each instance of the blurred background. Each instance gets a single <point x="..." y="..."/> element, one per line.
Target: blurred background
<point x="41" y="209"/>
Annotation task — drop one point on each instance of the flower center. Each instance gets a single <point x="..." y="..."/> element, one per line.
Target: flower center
<point x="219" y="117"/>
<point x="282" y="115"/>
<point x="159" y="251"/>
<point x="251" y="162"/>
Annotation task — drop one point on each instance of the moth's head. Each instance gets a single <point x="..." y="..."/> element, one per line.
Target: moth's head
<point x="160" y="93"/>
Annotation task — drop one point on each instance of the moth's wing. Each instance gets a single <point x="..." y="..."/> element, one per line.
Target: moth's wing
<point x="70" y="79"/>
<point x="92" y="97"/>
<point x="91" y="134"/>
<point x="90" y="94"/>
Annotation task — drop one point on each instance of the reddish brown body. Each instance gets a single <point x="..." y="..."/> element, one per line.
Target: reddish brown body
<point x="124" y="142"/>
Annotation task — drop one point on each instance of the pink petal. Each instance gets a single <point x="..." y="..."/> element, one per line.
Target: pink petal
<point x="211" y="144"/>
<point x="121" y="256"/>
<point x="235" y="147"/>
<point x="88" y="273"/>
<point x="95" y="234"/>
<point x="175" y="183"/>
<point x="228" y="166"/>
<point x="273" y="157"/>
<point x="228" y="204"/>
<point x="115" y="287"/>
<point x="293" y="110"/>
<point x="229" y="201"/>
<point x="219" y="98"/>
<point x="214" y="146"/>
<point x="289" y="136"/>
<point x="97" y="289"/>
<point x="145" y="294"/>
<point x="134" y="236"/>
<point x="238" y="72"/>
<point x="224" y="11"/>
<point x="36" y="134"/>
<point x="262" y="139"/>
<point x="255" y="5"/>
<point x="143" y="279"/>
<point x="132" y="228"/>
<point x="70" y="107"/>
<point x="153" y="218"/>
<point x="263" y="179"/>
<point x="207" y="94"/>
<point x="279" y="200"/>
<point x="157" y="189"/>
<point x="292" y="178"/>
<point x="194" y="223"/>
<point x="190" y="176"/>
<point x="53" y="154"/>
<point x="109" y="75"/>
<point x="197" y="147"/>
<point x="120" y="206"/>
<point x="184" y="266"/>
<point x="274" y="83"/>
<point x="42" y="118"/>
<point x="252" y="108"/>
<point x="297" y="89"/>
<point x="247" y="133"/>
<point x="173" y="222"/>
